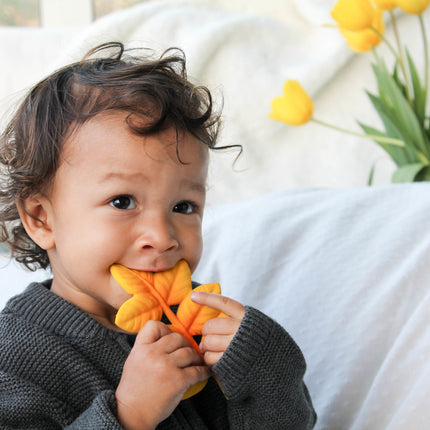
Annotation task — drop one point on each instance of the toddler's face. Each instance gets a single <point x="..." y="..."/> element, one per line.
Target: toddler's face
<point x="122" y="198"/>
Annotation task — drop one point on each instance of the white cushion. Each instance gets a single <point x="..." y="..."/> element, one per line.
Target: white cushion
<point x="346" y="272"/>
<point x="14" y="278"/>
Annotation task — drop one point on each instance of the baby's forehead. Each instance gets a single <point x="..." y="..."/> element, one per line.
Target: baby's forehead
<point x="104" y="157"/>
<point x="111" y="133"/>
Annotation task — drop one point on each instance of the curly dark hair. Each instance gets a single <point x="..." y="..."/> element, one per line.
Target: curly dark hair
<point x="155" y="93"/>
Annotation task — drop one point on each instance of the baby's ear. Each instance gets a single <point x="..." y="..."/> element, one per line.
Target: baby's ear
<point x="35" y="217"/>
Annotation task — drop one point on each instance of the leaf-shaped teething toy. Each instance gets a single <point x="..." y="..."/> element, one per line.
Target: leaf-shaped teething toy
<point x="153" y="296"/>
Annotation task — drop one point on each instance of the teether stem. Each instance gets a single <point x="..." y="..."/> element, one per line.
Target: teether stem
<point x="171" y="315"/>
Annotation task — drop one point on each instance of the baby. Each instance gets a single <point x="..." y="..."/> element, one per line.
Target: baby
<point x="104" y="163"/>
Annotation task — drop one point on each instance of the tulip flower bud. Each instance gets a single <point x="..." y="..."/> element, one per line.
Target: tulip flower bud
<point x="354" y="15"/>
<point x="295" y="107"/>
<point x="385" y="4"/>
<point x="415" y="7"/>
<point x="365" y="40"/>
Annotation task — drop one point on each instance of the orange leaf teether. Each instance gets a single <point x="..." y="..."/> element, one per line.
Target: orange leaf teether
<point x="158" y="294"/>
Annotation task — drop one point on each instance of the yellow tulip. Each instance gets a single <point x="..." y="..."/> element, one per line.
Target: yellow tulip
<point x="413" y="6"/>
<point x="354" y="15"/>
<point x="295" y="107"/>
<point x="365" y="40"/>
<point x="385" y="4"/>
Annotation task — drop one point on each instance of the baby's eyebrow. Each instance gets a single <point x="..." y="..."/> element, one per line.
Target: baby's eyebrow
<point x="122" y="175"/>
<point x="185" y="183"/>
<point x="194" y="186"/>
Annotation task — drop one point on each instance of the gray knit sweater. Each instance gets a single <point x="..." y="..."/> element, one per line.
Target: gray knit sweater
<point x="59" y="368"/>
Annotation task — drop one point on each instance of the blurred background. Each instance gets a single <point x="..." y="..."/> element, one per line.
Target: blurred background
<point x="43" y="13"/>
<point x="243" y="50"/>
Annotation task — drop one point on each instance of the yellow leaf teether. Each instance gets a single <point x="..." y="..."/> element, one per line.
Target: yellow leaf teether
<point x="155" y="294"/>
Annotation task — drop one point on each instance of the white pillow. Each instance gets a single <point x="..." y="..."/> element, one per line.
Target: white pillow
<point x="14" y="278"/>
<point x="346" y="272"/>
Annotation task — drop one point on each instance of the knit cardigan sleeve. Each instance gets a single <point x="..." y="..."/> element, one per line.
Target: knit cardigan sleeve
<point x="26" y="406"/>
<point x="101" y="415"/>
<point x="261" y="374"/>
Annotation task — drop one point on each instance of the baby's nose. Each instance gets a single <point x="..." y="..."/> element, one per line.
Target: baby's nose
<point x="158" y="235"/>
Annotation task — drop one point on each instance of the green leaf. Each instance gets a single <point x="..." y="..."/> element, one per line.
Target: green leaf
<point x="406" y="155"/>
<point x="419" y="93"/>
<point x="398" y="80"/>
<point x="408" y="173"/>
<point x="399" y="110"/>
<point x="381" y="88"/>
<point x="371" y="174"/>
<point x="396" y="153"/>
<point x="380" y="105"/>
<point x="423" y="175"/>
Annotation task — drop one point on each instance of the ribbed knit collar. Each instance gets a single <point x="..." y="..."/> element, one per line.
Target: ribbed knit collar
<point x="39" y="306"/>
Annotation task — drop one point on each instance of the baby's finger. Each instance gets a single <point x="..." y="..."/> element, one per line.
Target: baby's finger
<point x="196" y="374"/>
<point x="211" y="358"/>
<point x="172" y="342"/>
<point x="221" y="326"/>
<point x="224" y="304"/>
<point x="188" y="356"/>
<point x="215" y="343"/>
<point x="152" y="331"/>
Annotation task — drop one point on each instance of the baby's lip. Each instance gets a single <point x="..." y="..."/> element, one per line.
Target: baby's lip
<point x="153" y="266"/>
<point x="151" y="270"/>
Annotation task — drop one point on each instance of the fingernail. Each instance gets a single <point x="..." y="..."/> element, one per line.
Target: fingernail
<point x="194" y="295"/>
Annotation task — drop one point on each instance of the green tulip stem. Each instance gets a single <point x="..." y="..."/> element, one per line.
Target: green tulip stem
<point x="426" y="55"/>
<point x="379" y="139"/>
<point x="388" y="43"/>
<point x="396" y="33"/>
<point x="397" y="36"/>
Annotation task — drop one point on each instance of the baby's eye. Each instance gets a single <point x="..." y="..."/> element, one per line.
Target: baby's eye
<point x="123" y="202"/>
<point x="185" y="208"/>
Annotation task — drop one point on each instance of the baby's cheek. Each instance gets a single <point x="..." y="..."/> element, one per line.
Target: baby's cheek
<point x="117" y="294"/>
<point x="193" y="245"/>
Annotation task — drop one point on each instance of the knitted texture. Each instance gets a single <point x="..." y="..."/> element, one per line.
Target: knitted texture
<point x="59" y="368"/>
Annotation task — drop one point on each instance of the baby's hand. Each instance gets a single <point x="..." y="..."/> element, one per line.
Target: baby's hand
<point x="218" y="332"/>
<point x="160" y="368"/>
